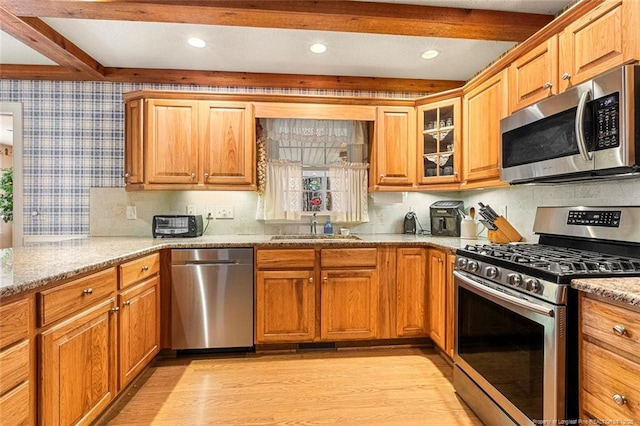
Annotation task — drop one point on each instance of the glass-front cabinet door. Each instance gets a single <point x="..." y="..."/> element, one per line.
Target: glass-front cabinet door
<point x="439" y="126"/>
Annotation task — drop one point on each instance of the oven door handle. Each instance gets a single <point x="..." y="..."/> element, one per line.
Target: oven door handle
<point x="505" y="297"/>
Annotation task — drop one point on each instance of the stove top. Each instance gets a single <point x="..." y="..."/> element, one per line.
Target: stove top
<point x="556" y="261"/>
<point x="575" y="242"/>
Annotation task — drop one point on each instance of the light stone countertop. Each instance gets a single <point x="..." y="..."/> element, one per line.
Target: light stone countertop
<point x="624" y="290"/>
<point x="26" y="268"/>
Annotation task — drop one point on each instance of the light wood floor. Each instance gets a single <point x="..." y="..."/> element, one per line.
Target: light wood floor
<point x="355" y="387"/>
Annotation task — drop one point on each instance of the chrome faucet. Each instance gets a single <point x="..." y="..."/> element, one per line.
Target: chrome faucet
<point x="314" y="224"/>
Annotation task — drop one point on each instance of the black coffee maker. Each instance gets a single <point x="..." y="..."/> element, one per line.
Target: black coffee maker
<point x="446" y="218"/>
<point x="410" y="223"/>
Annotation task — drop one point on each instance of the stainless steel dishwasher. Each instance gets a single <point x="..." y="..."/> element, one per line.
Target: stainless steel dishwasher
<point x="211" y="298"/>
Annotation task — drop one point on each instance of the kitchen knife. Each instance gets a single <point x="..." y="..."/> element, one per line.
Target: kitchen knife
<point x="491" y="211"/>
<point x="489" y="224"/>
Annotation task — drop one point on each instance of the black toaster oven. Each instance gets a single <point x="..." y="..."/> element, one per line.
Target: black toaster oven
<point x="177" y="226"/>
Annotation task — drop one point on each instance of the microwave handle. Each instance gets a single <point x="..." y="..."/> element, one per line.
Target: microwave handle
<point x="582" y="145"/>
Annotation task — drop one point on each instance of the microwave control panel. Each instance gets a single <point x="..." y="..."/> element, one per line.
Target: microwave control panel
<point x="607" y="121"/>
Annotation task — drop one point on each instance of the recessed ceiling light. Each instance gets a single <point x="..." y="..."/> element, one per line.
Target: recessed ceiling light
<point x="196" y="42"/>
<point x="429" y="54"/>
<point x="318" y="48"/>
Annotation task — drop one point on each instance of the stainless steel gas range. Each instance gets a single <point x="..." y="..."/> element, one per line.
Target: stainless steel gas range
<point x="516" y="351"/>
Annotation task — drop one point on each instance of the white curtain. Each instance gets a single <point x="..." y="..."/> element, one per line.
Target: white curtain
<point x="349" y="192"/>
<point x="282" y="198"/>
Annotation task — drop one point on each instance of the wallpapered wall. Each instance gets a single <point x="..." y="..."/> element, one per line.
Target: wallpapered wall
<point x="74" y="140"/>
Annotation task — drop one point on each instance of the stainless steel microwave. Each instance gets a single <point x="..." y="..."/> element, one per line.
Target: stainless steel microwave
<point x="590" y="131"/>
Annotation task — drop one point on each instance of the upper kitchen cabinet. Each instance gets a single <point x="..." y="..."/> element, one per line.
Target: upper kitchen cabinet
<point x="534" y="75"/>
<point x="439" y="151"/>
<point x="226" y="130"/>
<point x="598" y="41"/>
<point x="393" y="155"/>
<point x="484" y="106"/>
<point x="188" y="144"/>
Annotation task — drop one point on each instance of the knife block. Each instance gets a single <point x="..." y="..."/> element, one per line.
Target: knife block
<point x="505" y="233"/>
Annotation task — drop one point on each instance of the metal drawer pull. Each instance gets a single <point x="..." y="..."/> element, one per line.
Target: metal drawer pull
<point x="145" y="268"/>
<point x="310" y="279"/>
<point x="548" y="85"/>
<point x="126" y="303"/>
<point x="566" y="76"/>
<point x="619" y="330"/>
<point x="87" y="291"/>
<point x="115" y="310"/>
<point x="619" y="399"/>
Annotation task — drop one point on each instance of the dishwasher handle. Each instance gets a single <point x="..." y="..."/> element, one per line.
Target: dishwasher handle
<point x="209" y="262"/>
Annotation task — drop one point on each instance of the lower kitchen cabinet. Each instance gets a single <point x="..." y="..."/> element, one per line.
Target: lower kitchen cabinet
<point x="139" y="326"/>
<point x="285" y="306"/>
<point x="16" y="370"/>
<point x="437" y="297"/>
<point x="349" y="304"/>
<point x="450" y="311"/>
<point x="609" y="361"/>
<point x="78" y="366"/>
<point x="411" y="287"/>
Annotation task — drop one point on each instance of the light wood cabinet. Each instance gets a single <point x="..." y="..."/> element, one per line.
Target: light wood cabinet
<point x="609" y="361"/>
<point x="78" y="366"/>
<point x="285" y="296"/>
<point x="133" y="148"/>
<point x="285" y="306"/>
<point x="534" y="75"/>
<point x="349" y="304"/>
<point x="450" y="310"/>
<point x="437" y="297"/>
<point x="600" y="40"/>
<point x="189" y="144"/>
<point x="139" y="328"/>
<point x="394" y="149"/>
<point x="171" y="144"/>
<point x="16" y="363"/>
<point x="484" y="106"/>
<point x="412" y="295"/>
<point x="439" y="142"/>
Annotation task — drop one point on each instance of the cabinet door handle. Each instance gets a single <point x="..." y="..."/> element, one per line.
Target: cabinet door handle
<point x="325" y="279"/>
<point x="310" y="279"/>
<point x="114" y="310"/>
<point x="566" y="76"/>
<point x="620" y="330"/>
<point x="193" y="175"/>
<point x="548" y="85"/>
<point x="126" y="175"/>
<point x="206" y="175"/>
<point x="619" y="399"/>
<point x="126" y="303"/>
<point x="381" y="176"/>
<point x="145" y="268"/>
<point x="87" y="291"/>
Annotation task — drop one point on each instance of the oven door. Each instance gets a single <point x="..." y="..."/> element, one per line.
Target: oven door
<point x="512" y="347"/>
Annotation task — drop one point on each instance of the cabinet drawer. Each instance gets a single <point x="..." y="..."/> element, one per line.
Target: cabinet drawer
<point x="139" y="269"/>
<point x="613" y="325"/>
<point x="14" y="325"/>
<point x="14" y="406"/>
<point x="14" y="366"/>
<point x="605" y="375"/>
<point x="65" y="299"/>
<point x="354" y="257"/>
<point x="286" y="258"/>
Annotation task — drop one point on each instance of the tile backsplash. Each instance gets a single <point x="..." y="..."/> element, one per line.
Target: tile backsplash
<point x="73" y="161"/>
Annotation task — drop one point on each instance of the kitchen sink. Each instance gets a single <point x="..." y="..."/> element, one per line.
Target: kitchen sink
<point x="316" y="237"/>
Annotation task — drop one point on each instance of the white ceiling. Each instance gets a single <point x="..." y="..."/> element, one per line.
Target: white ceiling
<point x="262" y="50"/>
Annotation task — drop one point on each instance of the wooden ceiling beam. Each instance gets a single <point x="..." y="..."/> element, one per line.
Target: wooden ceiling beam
<point x="36" y="34"/>
<point x="341" y="16"/>
<point x="233" y="79"/>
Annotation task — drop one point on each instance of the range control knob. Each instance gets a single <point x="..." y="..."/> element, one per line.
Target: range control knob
<point x="461" y="262"/>
<point x="514" y="280"/>
<point x="492" y="272"/>
<point x="473" y="266"/>
<point x="533" y="284"/>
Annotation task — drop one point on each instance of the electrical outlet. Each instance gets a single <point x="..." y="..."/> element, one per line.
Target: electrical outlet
<point x="131" y="212"/>
<point x="191" y="209"/>
<point x="224" y="212"/>
<point x="209" y="212"/>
